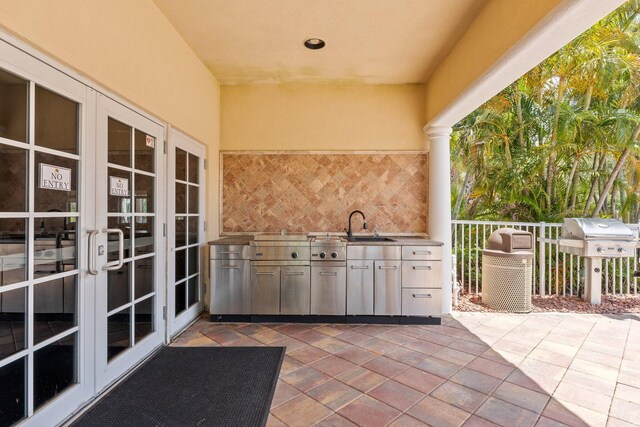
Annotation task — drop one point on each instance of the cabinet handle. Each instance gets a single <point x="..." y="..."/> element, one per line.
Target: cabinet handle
<point x="422" y="267"/>
<point x="265" y="273"/>
<point x="355" y="267"/>
<point x="230" y="252"/>
<point x="230" y="267"/>
<point x="388" y="267"/>
<point x="422" y="252"/>
<point x="294" y="273"/>
<point x="334" y="273"/>
<point x="422" y="295"/>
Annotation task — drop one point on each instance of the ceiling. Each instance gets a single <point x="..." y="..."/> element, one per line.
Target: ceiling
<point x="367" y="41"/>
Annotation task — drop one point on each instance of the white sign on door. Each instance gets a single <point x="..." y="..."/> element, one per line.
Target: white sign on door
<point x="55" y="177"/>
<point x="150" y="141"/>
<point x="118" y="186"/>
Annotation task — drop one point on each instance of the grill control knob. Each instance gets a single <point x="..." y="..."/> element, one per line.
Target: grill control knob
<point x="621" y="250"/>
<point x="294" y="255"/>
<point x="323" y="255"/>
<point x="334" y="254"/>
<point x="599" y="250"/>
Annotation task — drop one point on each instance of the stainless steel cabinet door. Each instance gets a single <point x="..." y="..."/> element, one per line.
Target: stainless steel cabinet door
<point x="265" y="290"/>
<point x="360" y="287"/>
<point x="388" y="291"/>
<point x="230" y="287"/>
<point x="295" y="290"/>
<point x="328" y="290"/>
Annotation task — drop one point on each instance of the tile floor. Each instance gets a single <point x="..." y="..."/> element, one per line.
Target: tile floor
<point x="476" y="369"/>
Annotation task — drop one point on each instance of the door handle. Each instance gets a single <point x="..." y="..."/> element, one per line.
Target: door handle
<point x="388" y="267"/>
<point x="120" y="262"/>
<point x="334" y="273"/>
<point x="294" y="273"/>
<point x="422" y="295"/>
<point x="422" y="252"/>
<point x="92" y="255"/>
<point x="355" y="267"/>
<point x="265" y="273"/>
<point x="422" y="267"/>
<point x="230" y="267"/>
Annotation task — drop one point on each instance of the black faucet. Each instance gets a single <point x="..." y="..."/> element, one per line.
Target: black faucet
<point x="350" y="231"/>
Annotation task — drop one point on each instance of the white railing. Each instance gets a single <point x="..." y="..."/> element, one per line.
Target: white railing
<point x="554" y="272"/>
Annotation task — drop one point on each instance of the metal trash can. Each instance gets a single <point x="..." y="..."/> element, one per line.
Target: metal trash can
<point x="507" y="267"/>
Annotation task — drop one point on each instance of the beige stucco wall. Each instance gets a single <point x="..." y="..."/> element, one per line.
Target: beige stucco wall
<point x="500" y="25"/>
<point x="129" y="47"/>
<point x="322" y="117"/>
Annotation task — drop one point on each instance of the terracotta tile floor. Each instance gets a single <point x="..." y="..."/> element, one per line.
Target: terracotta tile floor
<point x="476" y="369"/>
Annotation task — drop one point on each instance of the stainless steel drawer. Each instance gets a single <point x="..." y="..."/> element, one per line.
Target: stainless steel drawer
<point x="265" y="290"/>
<point x="230" y="287"/>
<point x="422" y="252"/>
<point x="387" y="297"/>
<point x="360" y="287"/>
<point x="421" y="274"/>
<point x="421" y="302"/>
<point x="373" y="252"/>
<point x="229" y="251"/>
<point x="328" y="290"/>
<point x="295" y="290"/>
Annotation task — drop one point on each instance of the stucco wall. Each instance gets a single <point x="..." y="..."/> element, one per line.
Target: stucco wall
<point x="129" y="47"/>
<point x="322" y="117"/>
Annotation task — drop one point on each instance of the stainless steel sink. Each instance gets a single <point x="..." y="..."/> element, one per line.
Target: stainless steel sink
<point x="370" y="239"/>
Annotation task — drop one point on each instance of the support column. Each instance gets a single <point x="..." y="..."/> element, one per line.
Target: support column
<point x="439" y="202"/>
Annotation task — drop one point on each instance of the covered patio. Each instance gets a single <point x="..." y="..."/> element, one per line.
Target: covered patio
<point x="476" y="369"/>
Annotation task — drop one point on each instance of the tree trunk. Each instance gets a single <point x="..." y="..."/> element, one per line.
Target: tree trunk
<point x="551" y="165"/>
<point x="594" y="180"/>
<point x="611" y="180"/>
<point x="519" y="113"/>
<point x="570" y="179"/>
<point x="461" y="194"/>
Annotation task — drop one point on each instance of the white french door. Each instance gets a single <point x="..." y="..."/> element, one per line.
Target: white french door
<point x="46" y="322"/>
<point x="128" y="248"/>
<point x="185" y="217"/>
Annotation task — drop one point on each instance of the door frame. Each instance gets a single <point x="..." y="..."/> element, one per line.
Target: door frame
<point x="178" y="139"/>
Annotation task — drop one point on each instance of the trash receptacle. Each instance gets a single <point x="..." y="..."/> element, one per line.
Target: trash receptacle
<point x="507" y="267"/>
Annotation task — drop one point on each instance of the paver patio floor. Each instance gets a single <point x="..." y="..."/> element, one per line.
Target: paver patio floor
<point x="476" y="369"/>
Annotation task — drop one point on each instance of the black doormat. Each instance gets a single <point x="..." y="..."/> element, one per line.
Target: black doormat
<point x="194" y="386"/>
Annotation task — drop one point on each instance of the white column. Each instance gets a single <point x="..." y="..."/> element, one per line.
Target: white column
<point x="440" y="202"/>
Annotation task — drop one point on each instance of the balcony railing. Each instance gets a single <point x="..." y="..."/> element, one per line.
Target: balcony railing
<point x="554" y="272"/>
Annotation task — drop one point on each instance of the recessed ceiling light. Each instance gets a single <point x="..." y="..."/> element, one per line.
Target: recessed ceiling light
<point x="314" y="43"/>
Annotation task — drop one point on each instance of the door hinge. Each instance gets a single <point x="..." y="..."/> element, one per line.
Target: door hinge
<point x="205" y="163"/>
<point x="165" y="146"/>
<point x="164" y="230"/>
<point x="205" y="225"/>
<point x="164" y="313"/>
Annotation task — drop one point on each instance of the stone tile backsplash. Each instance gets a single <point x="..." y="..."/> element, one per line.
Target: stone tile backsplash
<point x="263" y="192"/>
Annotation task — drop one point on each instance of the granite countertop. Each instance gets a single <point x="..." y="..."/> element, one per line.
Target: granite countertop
<point x="398" y="241"/>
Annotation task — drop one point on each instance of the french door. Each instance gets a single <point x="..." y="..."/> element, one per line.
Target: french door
<point x="127" y="246"/>
<point x="82" y="265"/>
<point x="185" y="209"/>
<point x="45" y="321"/>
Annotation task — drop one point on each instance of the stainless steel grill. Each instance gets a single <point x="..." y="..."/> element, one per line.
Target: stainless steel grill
<point x="594" y="239"/>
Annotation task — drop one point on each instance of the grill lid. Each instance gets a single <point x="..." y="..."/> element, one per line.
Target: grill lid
<point x="596" y="229"/>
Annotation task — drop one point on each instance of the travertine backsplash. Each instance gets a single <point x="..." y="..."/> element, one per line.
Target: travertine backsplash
<point x="269" y="192"/>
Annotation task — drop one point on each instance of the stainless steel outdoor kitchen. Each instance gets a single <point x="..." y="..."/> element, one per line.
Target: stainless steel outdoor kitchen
<point x="322" y="277"/>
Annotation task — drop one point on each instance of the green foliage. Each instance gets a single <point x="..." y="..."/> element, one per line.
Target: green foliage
<point x="561" y="141"/>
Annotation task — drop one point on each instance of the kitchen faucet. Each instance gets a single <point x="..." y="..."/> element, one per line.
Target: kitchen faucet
<point x="350" y="231"/>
